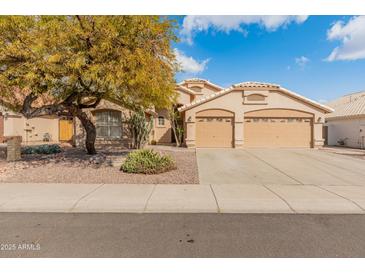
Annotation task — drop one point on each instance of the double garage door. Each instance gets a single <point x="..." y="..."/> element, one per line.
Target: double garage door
<point x="294" y="130"/>
<point x="277" y="132"/>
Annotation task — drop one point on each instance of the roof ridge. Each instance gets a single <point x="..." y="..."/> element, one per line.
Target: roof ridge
<point x="205" y="98"/>
<point x="256" y="83"/>
<point x="253" y="84"/>
<point x="193" y="92"/>
<point x="202" y="80"/>
<point x="355" y="92"/>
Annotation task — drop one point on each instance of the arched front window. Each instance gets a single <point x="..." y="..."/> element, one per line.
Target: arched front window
<point x="108" y="124"/>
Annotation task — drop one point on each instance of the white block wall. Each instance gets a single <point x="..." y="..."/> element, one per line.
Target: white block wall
<point x="347" y="128"/>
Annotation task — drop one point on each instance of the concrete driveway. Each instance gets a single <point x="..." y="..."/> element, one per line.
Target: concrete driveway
<point x="279" y="167"/>
<point x="232" y="181"/>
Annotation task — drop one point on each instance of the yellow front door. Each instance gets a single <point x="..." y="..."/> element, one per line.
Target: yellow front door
<point x="66" y="130"/>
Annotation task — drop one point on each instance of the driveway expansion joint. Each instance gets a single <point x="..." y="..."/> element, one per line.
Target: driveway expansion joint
<point x="84" y="196"/>
<point x="336" y="165"/>
<point x="215" y="198"/>
<point x="277" y="169"/>
<point x="343" y="197"/>
<point x="149" y="198"/>
<point x="281" y="198"/>
<point x="322" y="169"/>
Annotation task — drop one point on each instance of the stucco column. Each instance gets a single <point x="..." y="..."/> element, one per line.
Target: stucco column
<point x="238" y="134"/>
<point x="238" y="127"/>
<point x="190" y="136"/>
<point x="190" y="129"/>
<point x="318" y="140"/>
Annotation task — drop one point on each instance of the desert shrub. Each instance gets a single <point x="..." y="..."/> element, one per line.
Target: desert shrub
<point x="42" y="149"/>
<point x="147" y="161"/>
<point x="153" y="142"/>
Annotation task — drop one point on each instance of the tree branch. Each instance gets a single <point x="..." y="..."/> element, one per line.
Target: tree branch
<point x="93" y="105"/>
<point x="87" y="39"/>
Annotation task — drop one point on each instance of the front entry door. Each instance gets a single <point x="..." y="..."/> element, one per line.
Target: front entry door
<point x="66" y="130"/>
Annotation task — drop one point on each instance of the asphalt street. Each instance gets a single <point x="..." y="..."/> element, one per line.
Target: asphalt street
<point x="181" y="235"/>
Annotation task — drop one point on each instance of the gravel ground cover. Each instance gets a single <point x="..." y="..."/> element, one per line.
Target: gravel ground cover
<point x="75" y="166"/>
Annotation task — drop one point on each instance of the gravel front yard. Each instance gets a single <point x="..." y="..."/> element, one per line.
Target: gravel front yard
<point x="74" y="166"/>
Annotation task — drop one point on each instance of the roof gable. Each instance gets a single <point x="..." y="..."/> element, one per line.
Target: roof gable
<point x="200" y="81"/>
<point x="249" y="85"/>
<point x="185" y="89"/>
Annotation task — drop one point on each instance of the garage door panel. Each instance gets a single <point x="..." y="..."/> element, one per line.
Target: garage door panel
<point x="277" y="132"/>
<point x="214" y="132"/>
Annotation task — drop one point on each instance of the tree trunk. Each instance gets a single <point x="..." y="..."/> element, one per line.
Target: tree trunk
<point x="174" y="129"/>
<point x="90" y="132"/>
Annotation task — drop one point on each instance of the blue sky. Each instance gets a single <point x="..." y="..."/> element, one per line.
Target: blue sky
<point x="321" y="57"/>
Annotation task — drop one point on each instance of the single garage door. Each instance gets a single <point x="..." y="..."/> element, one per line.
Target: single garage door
<point x="278" y="132"/>
<point x="215" y="129"/>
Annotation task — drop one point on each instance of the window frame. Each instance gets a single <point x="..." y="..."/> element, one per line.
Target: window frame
<point x="108" y="123"/>
<point x="159" y="119"/>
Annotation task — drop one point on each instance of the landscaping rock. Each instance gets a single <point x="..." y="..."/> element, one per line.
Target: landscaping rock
<point x="73" y="165"/>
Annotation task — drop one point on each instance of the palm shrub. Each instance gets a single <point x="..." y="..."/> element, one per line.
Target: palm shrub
<point x="147" y="161"/>
<point x="140" y="128"/>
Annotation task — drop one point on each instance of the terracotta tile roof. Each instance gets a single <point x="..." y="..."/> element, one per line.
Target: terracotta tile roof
<point x="350" y="105"/>
<point x="256" y="85"/>
<point x="205" y="99"/>
<point x="253" y="85"/>
<point x="199" y="80"/>
<point x="187" y="90"/>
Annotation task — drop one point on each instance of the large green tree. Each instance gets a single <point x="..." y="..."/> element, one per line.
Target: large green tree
<point x="60" y="65"/>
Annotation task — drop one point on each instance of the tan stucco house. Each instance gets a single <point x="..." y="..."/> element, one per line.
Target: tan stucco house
<point x="108" y="117"/>
<point x="248" y="114"/>
<point x="346" y="125"/>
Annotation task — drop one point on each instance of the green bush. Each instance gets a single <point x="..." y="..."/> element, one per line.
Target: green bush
<point x="42" y="149"/>
<point x="147" y="161"/>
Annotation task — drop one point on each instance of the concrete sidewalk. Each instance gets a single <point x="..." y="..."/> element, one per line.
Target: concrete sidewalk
<point x="223" y="198"/>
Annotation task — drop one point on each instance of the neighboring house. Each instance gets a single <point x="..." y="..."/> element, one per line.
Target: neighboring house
<point x="346" y="125"/>
<point x="248" y="114"/>
<point x="251" y="114"/>
<point x="31" y="130"/>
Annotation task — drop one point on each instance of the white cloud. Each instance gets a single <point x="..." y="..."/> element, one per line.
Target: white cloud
<point x="189" y="64"/>
<point x="197" y="23"/>
<point x="302" y="61"/>
<point x="352" y="37"/>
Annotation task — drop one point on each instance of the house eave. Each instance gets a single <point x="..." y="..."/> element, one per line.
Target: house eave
<point x="251" y="86"/>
